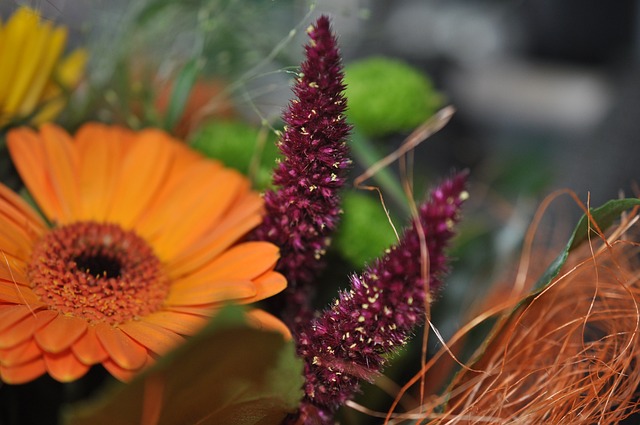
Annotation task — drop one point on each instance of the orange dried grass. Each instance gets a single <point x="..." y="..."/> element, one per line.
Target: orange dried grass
<point x="570" y="354"/>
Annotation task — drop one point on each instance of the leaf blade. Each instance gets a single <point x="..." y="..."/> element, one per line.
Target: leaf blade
<point x="219" y="374"/>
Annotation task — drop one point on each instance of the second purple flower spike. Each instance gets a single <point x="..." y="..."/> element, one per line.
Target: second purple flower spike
<point x="349" y="342"/>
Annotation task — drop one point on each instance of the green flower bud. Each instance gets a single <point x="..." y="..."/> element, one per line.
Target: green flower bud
<point x="386" y="96"/>
<point x="365" y="231"/>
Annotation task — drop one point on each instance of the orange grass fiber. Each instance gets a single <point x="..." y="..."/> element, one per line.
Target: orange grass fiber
<point x="138" y="244"/>
<point x="566" y="355"/>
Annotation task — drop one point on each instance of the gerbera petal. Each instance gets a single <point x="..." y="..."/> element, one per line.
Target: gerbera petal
<point x="263" y="320"/>
<point x="193" y="170"/>
<point x="10" y="314"/>
<point x="267" y="285"/>
<point x="11" y="292"/>
<point x="191" y="213"/>
<point x="14" y="243"/>
<point x="181" y="323"/>
<point x="123" y="374"/>
<point x="199" y="310"/>
<point x="88" y="348"/>
<point x="124" y="351"/>
<point x="28" y="155"/>
<point x="99" y="166"/>
<point x="62" y="162"/>
<point x="64" y="366"/>
<point x="237" y="223"/>
<point x="157" y="339"/>
<point x="60" y="333"/>
<point x="203" y="291"/>
<point x="22" y="353"/>
<point x="206" y="205"/>
<point x="22" y="373"/>
<point x="12" y="270"/>
<point x="25" y="328"/>
<point x="185" y="159"/>
<point x="244" y="261"/>
<point x="147" y="160"/>
<point x="18" y="211"/>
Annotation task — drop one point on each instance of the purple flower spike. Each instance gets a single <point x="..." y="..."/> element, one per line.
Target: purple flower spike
<point x="349" y="340"/>
<point x="304" y="210"/>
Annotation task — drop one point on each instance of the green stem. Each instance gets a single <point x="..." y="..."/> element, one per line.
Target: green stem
<point x="367" y="155"/>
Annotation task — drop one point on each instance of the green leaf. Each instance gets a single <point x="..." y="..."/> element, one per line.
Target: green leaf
<point x="604" y="216"/>
<point x="180" y="93"/>
<point x="229" y="373"/>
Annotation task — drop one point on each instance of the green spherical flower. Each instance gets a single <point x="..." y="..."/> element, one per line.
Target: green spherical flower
<point x="237" y="144"/>
<point x="386" y="95"/>
<point x="365" y="231"/>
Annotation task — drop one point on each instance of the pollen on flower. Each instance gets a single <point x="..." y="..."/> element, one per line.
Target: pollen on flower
<point x="380" y="309"/>
<point x="314" y="165"/>
<point x="97" y="271"/>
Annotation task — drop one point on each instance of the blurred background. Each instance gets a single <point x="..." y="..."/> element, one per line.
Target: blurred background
<point x="555" y="81"/>
<point x="547" y="94"/>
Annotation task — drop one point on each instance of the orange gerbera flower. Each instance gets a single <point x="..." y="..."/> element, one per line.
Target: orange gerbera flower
<point x="142" y="249"/>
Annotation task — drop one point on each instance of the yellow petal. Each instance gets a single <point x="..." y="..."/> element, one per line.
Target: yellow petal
<point x="37" y="68"/>
<point x="67" y="75"/>
<point x="21" y="27"/>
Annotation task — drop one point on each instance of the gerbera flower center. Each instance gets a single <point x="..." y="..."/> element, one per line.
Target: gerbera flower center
<point x="97" y="271"/>
<point x="99" y="265"/>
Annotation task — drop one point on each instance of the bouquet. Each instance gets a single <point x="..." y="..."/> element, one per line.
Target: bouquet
<point x="166" y="260"/>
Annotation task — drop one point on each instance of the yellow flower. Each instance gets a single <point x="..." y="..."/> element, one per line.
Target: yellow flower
<point x="34" y="76"/>
<point x="144" y="246"/>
